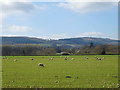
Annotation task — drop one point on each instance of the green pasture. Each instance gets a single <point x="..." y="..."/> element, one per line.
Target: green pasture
<point x="22" y="72"/>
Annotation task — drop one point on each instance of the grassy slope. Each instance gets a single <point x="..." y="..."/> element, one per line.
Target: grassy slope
<point x="85" y="73"/>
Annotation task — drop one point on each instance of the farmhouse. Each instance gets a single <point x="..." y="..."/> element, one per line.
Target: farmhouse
<point x="65" y="53"/>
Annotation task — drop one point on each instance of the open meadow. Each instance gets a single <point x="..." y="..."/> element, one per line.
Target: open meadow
<point x="85" y="71"/>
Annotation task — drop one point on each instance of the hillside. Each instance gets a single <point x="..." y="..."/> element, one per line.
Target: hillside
<point x="72" y="42"/>
<point x="21" y="40"/>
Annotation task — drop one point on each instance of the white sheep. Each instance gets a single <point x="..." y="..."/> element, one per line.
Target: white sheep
<point x="86" y="58"/>
<point x="15" y="60"/>
<point x="65" y="58"/>
<point x="41" y="65"/>
<point x="72" y="59"/>
<point x="4" y="58"/>
<point x="98" y="58"/>
<point x="50" y="58"/>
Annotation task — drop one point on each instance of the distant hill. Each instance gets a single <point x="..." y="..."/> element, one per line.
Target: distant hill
<point x="88" y="40"/>
<point x="69" y="42"/>
<point x="22" y="40"/>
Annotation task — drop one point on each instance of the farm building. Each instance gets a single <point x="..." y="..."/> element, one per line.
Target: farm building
<point x="65" y="53"/>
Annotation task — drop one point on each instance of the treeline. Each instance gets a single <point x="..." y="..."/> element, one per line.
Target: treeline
<point x="36" y="50"/>
<point x="26" y="50"/>
<point x="99" y="50"/>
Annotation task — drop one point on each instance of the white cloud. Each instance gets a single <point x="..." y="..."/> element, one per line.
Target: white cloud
<point x="55" y="36"/>
<point x="85" y="7"/>
<point x="15" y="28"/>
<point x="59" y="36"/>
<point x="9" y="8"/>
<point x="17" y="7"/>
<point x="91" y="34"/>
<point x="9" y="35"/>
<point x="60" y="0"/>
<point x="90" y="0"/>
<point x="99" y="35"/>
<point x="25" y="6"/>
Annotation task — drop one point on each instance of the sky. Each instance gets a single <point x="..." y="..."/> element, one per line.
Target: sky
<point x="56" y="20"/>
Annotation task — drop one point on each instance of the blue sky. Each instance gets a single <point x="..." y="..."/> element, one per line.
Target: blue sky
<point x="52" y="20"/>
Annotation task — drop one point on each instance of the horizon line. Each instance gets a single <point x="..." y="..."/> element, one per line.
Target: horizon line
<point x="57" y="38"/>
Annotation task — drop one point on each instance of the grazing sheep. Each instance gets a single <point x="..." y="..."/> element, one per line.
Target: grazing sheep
<point x="72" y="59"/>
<point x="4" y="58"/>
<point x="65" y="58"/>
<point x="15" y="60"/>
<point x="51" y="58"/>
<point x="86" y="58"/>
<point x="98" y="58"/>
<point x="41" y="65"/>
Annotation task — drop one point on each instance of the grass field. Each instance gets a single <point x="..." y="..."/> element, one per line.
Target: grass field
<point x="81" y="72"/>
